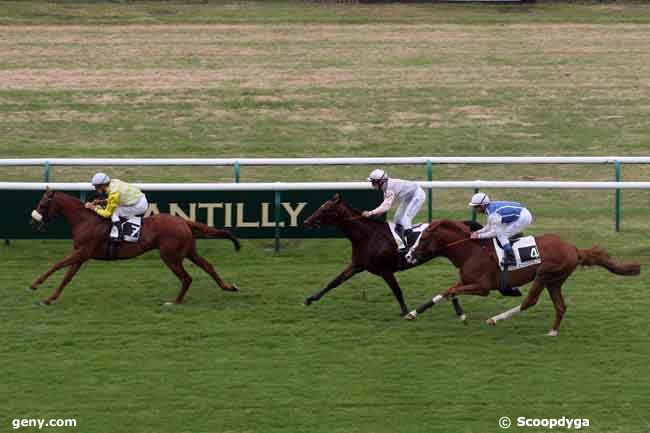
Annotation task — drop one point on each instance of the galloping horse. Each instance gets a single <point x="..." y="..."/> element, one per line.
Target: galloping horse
<point x="172" y="235"/>
<point x="373" y="249"/>
<point x="480" y="273"/>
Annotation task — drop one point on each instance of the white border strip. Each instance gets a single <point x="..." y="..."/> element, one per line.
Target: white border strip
<point x="311" y="186"/>
<point x="323" y="161"/>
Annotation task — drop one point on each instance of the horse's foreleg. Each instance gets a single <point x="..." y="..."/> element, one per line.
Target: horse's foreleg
<point x="72" y="270"/>
<point x="397" y="291"/>
<point x="529" y="301"/>
<point x="342" y="277"/>
<point x="76" y="257"/>
<point x="468" y="289"/>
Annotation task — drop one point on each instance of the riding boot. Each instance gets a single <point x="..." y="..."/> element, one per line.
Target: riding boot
<point x="399" y="229"/>
<point x="406" y="236"/>
<point x="509" y="256"/>
<point x="116" y="232"/>
<point x="115" y="237"/>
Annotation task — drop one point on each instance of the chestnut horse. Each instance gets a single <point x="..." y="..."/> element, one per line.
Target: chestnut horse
<point x="172" y="235"/>
<point x="373" y="249"/>
<point x="480" y="273"/>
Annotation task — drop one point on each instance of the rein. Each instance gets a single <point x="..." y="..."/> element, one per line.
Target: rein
<point x="460" y="241"/>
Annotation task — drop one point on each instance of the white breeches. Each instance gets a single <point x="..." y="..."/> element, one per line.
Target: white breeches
<point x="505" y="231"/>
<point x="409" y="208"/>
<point x="138" y="208"/>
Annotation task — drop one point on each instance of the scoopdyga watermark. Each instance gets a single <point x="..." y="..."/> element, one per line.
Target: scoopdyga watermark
<point x="550" y="423"/>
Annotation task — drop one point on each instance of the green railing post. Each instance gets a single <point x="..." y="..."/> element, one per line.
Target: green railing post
<point x="430" y="191"/>
<point x="617" y="201"/>
<point x="276" y="217"/>
<point x="236" y="171"/>
<point x="82" y="196"/>
<point x="46" y="172"/>
<point x="7" y="242"/>
<point x="473" y="208"/>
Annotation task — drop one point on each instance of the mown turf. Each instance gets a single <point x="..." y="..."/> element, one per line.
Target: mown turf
<point x="301" y="79"/>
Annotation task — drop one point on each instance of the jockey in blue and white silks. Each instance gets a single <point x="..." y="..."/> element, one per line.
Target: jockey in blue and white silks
<point x="505" y="219"/>
<point x="409" y="194"/>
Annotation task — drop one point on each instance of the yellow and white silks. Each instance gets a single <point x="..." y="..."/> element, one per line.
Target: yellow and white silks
<point x="124" y="200"/>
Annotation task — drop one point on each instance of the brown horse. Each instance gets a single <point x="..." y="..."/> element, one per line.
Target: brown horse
<point x="172" y="235"/>
<point x="480" y="273"/>
<point x="373" y="249"/>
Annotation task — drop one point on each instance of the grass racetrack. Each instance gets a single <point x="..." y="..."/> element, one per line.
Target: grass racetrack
<point x="226" y="79"/>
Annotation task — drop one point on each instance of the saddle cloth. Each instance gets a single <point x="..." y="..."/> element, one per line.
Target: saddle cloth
<point x="131" y="229"/>
<point x="416" y="232"/>
<point x="526" y="252"/>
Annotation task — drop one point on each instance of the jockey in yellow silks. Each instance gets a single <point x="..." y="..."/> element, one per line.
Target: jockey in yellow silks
<point x="123" y="200"/>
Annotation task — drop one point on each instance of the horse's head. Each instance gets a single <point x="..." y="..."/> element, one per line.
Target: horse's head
<point x="47" y="210"/>
<point x="436" y="238"/>
<point x="329" y="213"/>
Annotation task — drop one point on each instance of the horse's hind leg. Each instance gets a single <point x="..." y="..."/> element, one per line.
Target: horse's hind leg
<point x="555" y="290"/>
<point x="209" y="269"/>
<point x="175" y="263"/>
<point x="531" y="299"/>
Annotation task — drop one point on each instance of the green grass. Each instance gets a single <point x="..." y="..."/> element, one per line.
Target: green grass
<point x="234" y="79"/>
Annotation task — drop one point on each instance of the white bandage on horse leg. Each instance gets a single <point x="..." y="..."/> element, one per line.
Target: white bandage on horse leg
<point x="507" y="314"/>
<point x="438" y="299"/>
<point x="37" y="216"/>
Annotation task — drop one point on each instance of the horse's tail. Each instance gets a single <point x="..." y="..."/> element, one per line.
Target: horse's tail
<point x="596" y="256"/>
<point x="200" y="230"/>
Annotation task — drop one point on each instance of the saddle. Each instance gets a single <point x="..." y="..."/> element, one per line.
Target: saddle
<point x="526" y="254"/>
<point x="412" y="236"/>
<point x="128" y="230"/>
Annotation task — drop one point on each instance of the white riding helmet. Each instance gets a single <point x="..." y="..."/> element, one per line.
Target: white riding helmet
<point x="377" y="174"/>
<point x="479" y="199"/>
<point x="100" y="179"/>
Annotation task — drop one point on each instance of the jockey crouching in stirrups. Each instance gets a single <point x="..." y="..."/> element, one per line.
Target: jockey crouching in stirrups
<point x="123" y="200"/>
<point x="409" y="195"/>
<point x="505" y="219"/>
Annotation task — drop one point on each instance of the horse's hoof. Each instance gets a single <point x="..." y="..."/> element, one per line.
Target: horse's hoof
<point x="463" y="318"/>
<point x="307" y="302"/>
<point x="412" y="315"/>
<point x="170" y="304"/>
<point x="552" y="333"/>
<point x="31" y="289"/>
<point x="491" y="322"/>
<point x="232" y="288"/>
<point x="45" y="303"/>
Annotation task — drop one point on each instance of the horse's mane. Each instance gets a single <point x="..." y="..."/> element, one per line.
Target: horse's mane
<point x="68" y="196"/>
<point x="462" y="226"/>
<point x="357" y="212"/>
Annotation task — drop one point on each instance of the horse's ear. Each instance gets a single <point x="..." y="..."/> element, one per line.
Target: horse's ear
<point x="337" y="197"/>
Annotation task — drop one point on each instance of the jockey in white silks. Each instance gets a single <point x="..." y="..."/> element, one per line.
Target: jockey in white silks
<point x="409" y="194"/>
<point x="505" y="219"/>
<point x="123" y="200"/>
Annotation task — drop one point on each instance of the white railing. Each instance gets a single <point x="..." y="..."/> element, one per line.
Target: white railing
<point x="304" y="186"/>
<point x="17" y="162"/>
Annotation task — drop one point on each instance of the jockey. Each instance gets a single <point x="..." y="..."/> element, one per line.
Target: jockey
<point x="123" y="200"/>
<point x="409" y="195"/>
<point x="505" y="219"/>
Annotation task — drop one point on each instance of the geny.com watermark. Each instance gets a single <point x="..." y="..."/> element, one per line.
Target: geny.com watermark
<point x="564" y="422"/>
<point x="40" y="423"/>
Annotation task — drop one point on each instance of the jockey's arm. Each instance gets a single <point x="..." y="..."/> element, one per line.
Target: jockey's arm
<point x="111" y="204"/>
<point x="489" y="231"/>
<point x="389" y="198"/>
